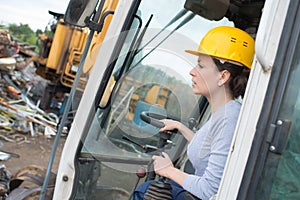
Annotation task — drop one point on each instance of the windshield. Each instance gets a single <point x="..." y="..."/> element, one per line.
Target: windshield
<point x="150" y="75"/>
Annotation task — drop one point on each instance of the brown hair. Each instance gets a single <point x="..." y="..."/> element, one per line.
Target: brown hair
<point x="238" y="77"/>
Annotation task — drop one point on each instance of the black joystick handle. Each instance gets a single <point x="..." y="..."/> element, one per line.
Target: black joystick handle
<point x="153" y="119"/>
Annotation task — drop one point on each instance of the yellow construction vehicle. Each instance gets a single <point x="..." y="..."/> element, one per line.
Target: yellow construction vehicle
<point x="60" y="54"/>
<point x="67" y="40"/>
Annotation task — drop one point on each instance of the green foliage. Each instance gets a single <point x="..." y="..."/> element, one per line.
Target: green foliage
<point x="38" y="31"/>
<point x="24" y="33"/>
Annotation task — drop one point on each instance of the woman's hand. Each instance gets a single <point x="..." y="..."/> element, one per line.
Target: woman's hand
<point x="162" y="165"/>
<point x="169" y="125"/>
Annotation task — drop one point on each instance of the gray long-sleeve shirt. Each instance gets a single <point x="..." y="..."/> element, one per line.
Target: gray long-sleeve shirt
<point x="208" y="151"/>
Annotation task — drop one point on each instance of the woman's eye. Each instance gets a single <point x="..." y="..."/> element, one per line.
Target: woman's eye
<point x="200" y="66"/>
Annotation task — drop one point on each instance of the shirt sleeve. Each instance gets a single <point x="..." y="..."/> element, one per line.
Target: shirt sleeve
<point x="207" y="185"/>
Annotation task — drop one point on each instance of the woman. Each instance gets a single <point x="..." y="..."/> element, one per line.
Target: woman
<point x="225" y="56"/>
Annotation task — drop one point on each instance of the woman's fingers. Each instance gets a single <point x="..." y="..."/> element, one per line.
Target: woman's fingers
<point x="169" y="125"/>
<point x="165" y="155"/>
<point x="162" y="164"/>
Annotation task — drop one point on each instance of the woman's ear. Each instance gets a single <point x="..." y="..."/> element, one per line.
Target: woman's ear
<point x="224" y="77"/>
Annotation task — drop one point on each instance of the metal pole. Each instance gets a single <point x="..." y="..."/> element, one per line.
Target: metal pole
<point x="65" y="115"/>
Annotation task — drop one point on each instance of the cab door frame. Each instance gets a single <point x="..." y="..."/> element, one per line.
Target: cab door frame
<point x="264" y="142"/>
<point x="256" y="100"/>
<point x="66" y="176"/>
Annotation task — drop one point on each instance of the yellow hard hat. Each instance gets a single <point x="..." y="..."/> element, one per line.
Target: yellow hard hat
<point x="227" y="43"/>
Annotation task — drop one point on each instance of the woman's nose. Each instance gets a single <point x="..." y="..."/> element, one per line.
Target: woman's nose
<point x="192" y="72"/>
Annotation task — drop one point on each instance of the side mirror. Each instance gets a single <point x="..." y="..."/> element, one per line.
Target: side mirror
<point x="209" y="9"/>
<point x="79" y="10"/>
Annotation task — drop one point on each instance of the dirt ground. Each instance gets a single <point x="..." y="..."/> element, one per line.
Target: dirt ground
<point x="32" y="151"/>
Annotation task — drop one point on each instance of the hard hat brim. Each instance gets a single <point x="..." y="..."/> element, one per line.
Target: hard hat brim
<point x="196" y="53"/>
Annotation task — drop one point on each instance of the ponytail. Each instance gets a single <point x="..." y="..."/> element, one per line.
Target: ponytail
<point x="238" y="84"/>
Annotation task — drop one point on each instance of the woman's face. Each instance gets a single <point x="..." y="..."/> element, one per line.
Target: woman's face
<point x="205" y="76"/>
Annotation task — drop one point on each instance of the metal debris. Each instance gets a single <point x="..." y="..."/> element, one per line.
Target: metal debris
<point x="34" y="175"/>
<point x="19" y="105"/>
<point x="21" y="117"/>
<point x="5" y="177"/>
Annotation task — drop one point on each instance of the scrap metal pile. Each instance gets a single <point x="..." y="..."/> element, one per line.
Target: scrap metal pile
<point x="20" y="93"/>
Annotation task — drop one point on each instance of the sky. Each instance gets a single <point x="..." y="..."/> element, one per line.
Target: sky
<point x="32" y="12"/>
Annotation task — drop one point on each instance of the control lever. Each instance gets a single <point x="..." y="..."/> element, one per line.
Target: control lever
<point x="141" y="173"/>
<point x="158" y="189"/>
<point x="147" y="148"/>
<point x="154" y="119"/>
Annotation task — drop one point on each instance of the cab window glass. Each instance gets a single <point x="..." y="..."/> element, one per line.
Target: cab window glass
<point x="280" y="178"/>
<point x="157" y="80"/>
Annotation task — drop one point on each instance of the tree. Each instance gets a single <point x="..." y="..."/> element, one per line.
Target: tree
<point x="23" y="33"/>
<point x="38" y="31"/>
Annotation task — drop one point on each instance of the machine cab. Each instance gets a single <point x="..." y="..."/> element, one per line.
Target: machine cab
<point x="142" y="68"/>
